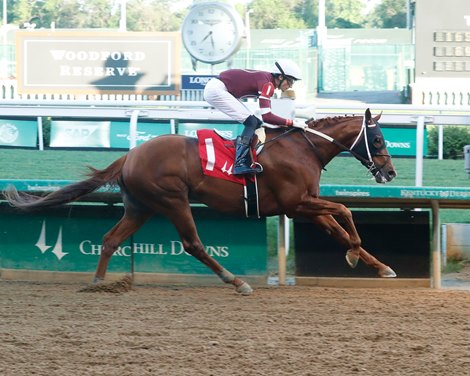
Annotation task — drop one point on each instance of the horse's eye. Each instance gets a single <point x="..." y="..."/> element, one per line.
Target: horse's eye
<point x="378" y="141"/>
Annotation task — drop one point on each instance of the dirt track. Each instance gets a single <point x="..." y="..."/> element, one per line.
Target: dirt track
<point x="51" y="329"/>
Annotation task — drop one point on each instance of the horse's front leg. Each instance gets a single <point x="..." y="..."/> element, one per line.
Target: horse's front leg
<point x="332" y="227"/>
<point x="321" y="212"/>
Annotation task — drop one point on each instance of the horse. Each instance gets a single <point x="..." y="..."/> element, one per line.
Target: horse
<point x="164" y="174"/>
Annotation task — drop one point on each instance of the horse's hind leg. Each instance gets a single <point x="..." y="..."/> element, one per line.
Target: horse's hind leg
<point x="332" y="227"/>
<point x="182" y="219"/>
<point x="129" y="224"/>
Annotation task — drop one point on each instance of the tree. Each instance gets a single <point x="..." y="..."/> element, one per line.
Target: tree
<point x="455" y="138"/>
<point x="148" y="15"/>
<point x="65" y="14"/>
<point x="339" y="13"/>
<point x="388" y="14"/>
<point x="276" y="14"/>
<point x="344" y="14"/>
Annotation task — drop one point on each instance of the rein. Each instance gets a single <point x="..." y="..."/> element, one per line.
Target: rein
<point x="368" y="162"/>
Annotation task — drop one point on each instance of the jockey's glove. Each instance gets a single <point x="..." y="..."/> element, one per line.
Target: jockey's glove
<point x="298" y="123"/>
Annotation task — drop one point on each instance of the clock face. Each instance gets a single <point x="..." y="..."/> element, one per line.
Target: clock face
<point x="212" y="32"/>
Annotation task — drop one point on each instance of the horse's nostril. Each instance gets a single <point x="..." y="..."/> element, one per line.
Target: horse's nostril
<point x="392" y="174"/>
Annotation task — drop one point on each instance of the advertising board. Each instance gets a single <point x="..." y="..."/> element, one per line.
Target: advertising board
<point x="69" y="239"/>
<point x="228" y="130"/>
<point x="402" y="141"/>
<point x="98" y="62"/>
<point x="103" y="134"/>
<point x="23" y="133"/>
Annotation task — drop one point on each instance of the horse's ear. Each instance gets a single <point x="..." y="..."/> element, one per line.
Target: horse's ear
<point x="376" y="119"/>
<point x="368" y="116"/>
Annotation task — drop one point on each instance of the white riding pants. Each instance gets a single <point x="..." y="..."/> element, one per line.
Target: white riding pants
<point x="217" y="95"/>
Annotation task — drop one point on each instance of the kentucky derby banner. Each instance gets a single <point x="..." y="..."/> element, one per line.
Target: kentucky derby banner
<point x="22" y="133"/>
<point x="98" y="62"/>
<point x="89" y="134"/>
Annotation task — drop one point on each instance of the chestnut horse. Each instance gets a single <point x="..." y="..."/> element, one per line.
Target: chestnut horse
<point x="164" y="174"/>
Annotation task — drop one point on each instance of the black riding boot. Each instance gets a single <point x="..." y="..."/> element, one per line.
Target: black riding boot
<point x="243" y="161"/>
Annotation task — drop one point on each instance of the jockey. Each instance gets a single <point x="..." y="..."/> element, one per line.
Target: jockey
<point x="225" y="92"/>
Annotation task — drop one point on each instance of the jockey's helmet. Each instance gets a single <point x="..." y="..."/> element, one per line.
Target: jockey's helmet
<point x="287" y="67"/>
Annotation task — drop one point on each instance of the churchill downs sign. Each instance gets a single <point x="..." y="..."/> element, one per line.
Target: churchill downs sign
<point x="98" y="62"/>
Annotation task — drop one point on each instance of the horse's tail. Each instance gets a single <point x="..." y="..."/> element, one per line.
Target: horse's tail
<point x="97" y="178"/>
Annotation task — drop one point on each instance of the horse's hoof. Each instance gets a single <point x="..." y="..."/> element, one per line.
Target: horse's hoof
<point x="351" y="259"/>
<point x="97" y="281"/>
<point x="387" y="273"/>
<point x="244" y="289"/>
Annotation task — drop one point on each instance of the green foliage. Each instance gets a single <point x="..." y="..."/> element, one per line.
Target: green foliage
<point x="145" y="15"/>
<point x="344" y="14"/>
<point x="275" y="14"/>
<point x="166" y="15"/>
<point x="142" y="15"/>
<point x="272" y="14"/>
<point x="65" y="13"/>
<point x="388" y="14"/>
<point x="454" y="266"/>
<point x="455" y="138"/>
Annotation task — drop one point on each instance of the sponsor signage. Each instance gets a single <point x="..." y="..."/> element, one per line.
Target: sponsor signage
<point x="91" y="134"/>
<point x="103" y="134"/>
<point x="228" y="130"/>
<point x="431" y="193"/>
<point x="402" y="141"/>
<point x="70" y="239"/>
<point x="98" y="62"/>
<point x="22" y="133"/>
<point x="195" y="82"/>
<point x="120" y="136"/>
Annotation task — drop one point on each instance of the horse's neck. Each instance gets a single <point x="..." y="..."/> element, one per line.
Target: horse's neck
<point x="342" y="130"/>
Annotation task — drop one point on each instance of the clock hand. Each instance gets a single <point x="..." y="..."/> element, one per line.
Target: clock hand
<point x="209" y="34"/>
<point x="212" y="41"/>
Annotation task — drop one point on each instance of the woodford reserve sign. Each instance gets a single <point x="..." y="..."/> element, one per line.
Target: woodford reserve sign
<point x="98" y="62"/>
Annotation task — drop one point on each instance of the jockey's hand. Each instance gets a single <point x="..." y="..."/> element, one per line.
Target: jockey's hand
<point x="298" y="123"/>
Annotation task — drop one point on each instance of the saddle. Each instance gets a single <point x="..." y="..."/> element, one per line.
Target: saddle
<point x="217" y="155"/>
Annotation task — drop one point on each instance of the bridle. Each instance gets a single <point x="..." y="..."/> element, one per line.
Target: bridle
<point x="360" y="148"/>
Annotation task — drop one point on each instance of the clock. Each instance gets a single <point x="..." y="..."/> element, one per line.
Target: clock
<point x="212" y="32"/>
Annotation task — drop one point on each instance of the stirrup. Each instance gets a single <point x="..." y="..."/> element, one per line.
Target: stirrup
<point x="255" y="168"/>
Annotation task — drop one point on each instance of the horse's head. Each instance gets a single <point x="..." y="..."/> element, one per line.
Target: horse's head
<point x="370" y="149"/>
<point x="366" y="142"/>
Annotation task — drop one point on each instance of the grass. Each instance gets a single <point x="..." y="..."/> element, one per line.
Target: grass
<point x="454" y="266"/>
<point x="52" y="164"/>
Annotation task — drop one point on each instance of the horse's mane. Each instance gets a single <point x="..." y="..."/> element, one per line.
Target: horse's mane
<point x="331" y="120"/>
<point x="327" y="121"/>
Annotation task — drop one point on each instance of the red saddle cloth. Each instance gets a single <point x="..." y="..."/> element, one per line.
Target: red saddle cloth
<point x="218" y="156"/>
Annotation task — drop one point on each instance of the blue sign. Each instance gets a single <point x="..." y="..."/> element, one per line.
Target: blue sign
<point x="194" y="82"/>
